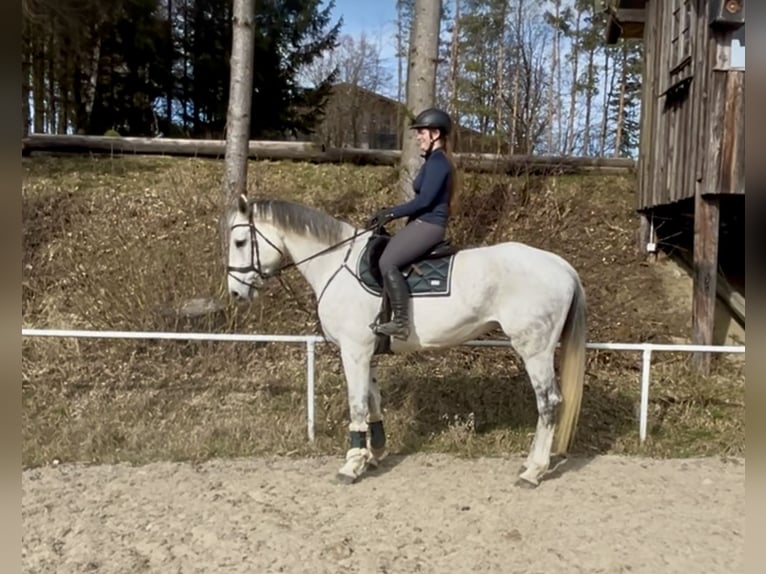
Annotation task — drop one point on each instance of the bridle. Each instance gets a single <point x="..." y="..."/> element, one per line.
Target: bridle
<point x="255" y="257"/>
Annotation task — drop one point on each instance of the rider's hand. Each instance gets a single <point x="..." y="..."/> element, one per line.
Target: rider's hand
<point x="380" y="218"/>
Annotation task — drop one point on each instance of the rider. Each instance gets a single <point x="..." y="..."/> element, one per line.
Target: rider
<point x="427" y="215"/>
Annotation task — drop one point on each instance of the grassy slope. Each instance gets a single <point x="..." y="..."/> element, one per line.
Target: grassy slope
<point x="120" y="243"/>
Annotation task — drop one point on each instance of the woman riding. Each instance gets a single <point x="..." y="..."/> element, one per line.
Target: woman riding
<point x="427" y="213"/>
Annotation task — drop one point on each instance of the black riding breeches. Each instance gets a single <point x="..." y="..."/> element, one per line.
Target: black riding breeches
<point x="414" y="240"/>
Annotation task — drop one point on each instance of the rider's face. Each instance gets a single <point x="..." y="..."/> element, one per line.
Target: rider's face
<point x="424" y="137"/>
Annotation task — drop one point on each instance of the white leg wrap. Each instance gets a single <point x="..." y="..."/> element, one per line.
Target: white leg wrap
<point x="357" y="460"/>
<point x="531" y="475"/>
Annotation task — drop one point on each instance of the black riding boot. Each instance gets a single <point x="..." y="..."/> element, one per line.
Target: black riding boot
<point x="396" y="286"/>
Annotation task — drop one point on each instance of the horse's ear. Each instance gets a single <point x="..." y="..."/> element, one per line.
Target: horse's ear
<point x="243" y="205"/>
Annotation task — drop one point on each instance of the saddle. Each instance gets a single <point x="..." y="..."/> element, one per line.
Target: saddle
<point x="377" y="243"/>
<point x="427" y="276"/>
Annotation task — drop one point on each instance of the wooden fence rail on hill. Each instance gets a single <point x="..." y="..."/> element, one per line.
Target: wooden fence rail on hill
<point x="311" y="152"/>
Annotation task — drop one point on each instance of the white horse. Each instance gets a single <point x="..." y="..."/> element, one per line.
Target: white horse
<point x="534" y="296"/>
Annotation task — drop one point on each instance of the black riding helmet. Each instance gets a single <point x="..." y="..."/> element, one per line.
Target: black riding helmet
<point x="433" y="118"/>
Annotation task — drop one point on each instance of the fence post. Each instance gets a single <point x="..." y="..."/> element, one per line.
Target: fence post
<point x="310" y="353"/>
<point x="646" y="367"/>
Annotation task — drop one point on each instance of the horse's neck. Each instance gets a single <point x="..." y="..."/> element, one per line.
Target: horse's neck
<point x="318" y="269"/>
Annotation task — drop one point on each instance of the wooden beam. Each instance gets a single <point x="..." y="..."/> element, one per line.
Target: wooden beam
<point x="631" y="16"/>
<point x="310" y="152"/>
<point x="706" y="225"/>
<point x="625" y="23"/>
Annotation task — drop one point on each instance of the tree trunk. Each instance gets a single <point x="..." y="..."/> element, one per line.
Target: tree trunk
<point x="554" y="87"/>
<point x="51" y="103"/>
<point x="569" y="145"/>
<point x="453" y="64"/>
<point x="185" y="90"/>
<point x="500" y="77"/>
<point x="65" y="76"/>
<point x="26" y="74"/>
<point x="589" y="102"/>
<point x="421" y="83"/>
<point x="169" y="71"/>
<point x="516" y="81"/>
<point x="239" y="109"/>
<point x="38" y="85"/>
<point x="621" y="101"/>
<point x="608" y="80"/>
<point x="400" y="86"/>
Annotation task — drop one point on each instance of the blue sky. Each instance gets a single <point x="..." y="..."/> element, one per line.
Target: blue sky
<point x="366" y="15"/>
<point x="378" y="19"/>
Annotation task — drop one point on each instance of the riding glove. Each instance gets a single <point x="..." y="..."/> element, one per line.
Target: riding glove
<point x="380" y="218"/>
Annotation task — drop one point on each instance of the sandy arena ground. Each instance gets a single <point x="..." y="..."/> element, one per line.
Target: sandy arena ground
<point x="423" y="513"/>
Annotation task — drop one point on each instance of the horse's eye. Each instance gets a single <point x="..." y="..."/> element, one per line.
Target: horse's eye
<point x="239" y="244"/>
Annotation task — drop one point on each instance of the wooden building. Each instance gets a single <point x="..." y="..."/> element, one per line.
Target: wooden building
<point x="360" y="118"/>
<point x="691" y="166"/>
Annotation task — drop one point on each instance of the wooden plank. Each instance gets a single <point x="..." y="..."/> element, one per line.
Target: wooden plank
<point x="714" y="135"/>
<point x="703" y="51"/>
<point x="648" y="139"/>
<point x="683" y="136"/>
<point x="731" y="170"/>
<point x="656" y="134"/>
<point x="696" y="91"/>
<point x="661" y="191"/>
<point x="706" y="225"/>
<point x="670" y="155"/>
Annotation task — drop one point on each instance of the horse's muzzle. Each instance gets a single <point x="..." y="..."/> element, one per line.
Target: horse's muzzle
<point x="244" y="289"/>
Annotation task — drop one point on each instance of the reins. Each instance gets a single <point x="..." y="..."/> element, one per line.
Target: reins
<point x="255" y="259"/>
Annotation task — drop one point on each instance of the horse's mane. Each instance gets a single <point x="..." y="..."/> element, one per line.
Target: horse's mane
<point x="301" y="219"/>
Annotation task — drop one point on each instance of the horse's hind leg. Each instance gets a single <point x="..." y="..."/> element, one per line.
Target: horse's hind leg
<point x="377" y="435"/>
<point x="540" y="369"/>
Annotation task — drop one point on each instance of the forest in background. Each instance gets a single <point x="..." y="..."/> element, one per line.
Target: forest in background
<point x="537" y="76"/>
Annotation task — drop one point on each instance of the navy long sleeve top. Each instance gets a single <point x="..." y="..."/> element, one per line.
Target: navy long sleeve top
<point x="432" y="189"/>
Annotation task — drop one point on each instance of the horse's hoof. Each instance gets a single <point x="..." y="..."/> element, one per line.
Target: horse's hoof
<point x="345" y="479"/>
<point x="378" y="455"/>
<point x="557" y="461"/>
<point x="526" y="484"/>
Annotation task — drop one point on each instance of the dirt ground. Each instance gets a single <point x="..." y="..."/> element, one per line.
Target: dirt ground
<point x="421" y="513"/>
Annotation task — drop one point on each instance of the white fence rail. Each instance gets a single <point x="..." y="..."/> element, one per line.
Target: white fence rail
<point x="646" y="350"/>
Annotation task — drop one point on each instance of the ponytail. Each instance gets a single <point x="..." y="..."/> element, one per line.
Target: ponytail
<point x="454" y="183"/>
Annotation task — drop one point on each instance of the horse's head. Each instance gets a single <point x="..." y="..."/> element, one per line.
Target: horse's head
<point x="255" y="251"/>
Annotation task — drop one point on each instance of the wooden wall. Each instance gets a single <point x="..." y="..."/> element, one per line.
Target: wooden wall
<point x="692" y="123"/>
<point x="692" y="133"/>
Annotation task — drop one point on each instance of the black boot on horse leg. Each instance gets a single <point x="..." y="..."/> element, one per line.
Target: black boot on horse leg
<point x="398" y="293"/>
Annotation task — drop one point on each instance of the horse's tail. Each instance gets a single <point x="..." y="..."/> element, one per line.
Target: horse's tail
<point x="572" y="370"/>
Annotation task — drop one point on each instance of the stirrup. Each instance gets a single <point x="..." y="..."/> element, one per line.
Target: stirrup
<point x="393" y="329"/>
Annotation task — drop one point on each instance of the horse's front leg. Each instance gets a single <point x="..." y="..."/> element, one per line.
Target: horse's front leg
<point x="377" y="435"/>
<point x="356" y="366"/>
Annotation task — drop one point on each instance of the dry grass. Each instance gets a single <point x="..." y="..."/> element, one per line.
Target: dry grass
<point x="121" y="243"/>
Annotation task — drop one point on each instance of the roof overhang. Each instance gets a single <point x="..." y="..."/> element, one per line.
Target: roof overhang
<point x="625" y="20"/>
